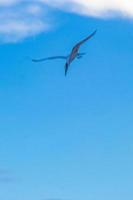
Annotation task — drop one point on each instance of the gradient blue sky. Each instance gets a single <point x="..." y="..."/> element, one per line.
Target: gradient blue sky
<point x="68" y="138"/>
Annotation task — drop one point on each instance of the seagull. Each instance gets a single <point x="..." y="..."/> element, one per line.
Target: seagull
<point x="69" y="58"/>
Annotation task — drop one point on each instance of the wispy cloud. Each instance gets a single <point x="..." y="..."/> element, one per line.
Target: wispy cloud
<point x="8" y="2"/>
<point x="20" y="19"/>
<point x="97" y="8"/>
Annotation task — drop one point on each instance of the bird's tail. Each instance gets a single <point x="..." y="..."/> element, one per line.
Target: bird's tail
<point x="66" y="68"/>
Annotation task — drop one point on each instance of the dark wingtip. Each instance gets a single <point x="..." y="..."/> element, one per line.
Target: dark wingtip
<point x="33" y="60"/>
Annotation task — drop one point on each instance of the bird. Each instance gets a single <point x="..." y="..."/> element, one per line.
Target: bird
<point x="73" y="54"/>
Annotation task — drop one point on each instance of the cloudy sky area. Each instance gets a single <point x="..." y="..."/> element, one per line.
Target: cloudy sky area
<point x="20" y="19"/>
<point x="66" y="138"/>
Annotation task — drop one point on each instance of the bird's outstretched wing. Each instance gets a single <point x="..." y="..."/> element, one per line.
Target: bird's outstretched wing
<point x="84" y="40"/>
<point x="49" y="58"/>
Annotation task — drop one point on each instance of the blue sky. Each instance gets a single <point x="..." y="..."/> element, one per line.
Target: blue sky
<point x="67" y="138"/>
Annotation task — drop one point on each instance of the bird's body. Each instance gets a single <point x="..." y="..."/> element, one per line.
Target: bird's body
<point x="74" y="54"/>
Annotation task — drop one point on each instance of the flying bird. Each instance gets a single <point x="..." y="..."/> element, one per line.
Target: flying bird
<point x="74" y="53"/>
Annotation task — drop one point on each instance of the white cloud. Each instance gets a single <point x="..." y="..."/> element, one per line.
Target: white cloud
<point x="15" y="30"/>
<point x="20" y="19"/>
<point x="97" y="8"/>
<point x="34" y="9"/>
<point x="8" y="2"/>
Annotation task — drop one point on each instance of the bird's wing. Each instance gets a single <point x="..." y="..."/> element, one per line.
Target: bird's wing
<point x="49" y="58"/>
<point x="84" y="40"/>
